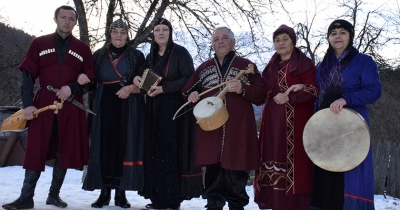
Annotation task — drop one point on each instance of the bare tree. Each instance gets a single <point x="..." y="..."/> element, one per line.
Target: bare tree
<point x="14" y="44"/>
<point x="195" y="17"/>
<point x="373" y="25"/>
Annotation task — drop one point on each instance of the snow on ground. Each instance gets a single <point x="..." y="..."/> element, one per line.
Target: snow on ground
<point x="11" y="179"/>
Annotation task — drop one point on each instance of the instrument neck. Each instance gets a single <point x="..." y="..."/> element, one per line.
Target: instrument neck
<point x="226" y="89"/>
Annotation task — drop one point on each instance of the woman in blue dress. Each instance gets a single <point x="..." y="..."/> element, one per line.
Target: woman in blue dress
<point x="345" y="78"/>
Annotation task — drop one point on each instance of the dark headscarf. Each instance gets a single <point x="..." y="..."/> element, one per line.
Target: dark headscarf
<point x="331" y="67"/>
<point x="285" y="29"/>
<point x="299" y="62"/>
<point x="107" y="45"/>
<point x="341" y="24"/>
<point x="118" y="24"/>
<point x="154" y="47"/>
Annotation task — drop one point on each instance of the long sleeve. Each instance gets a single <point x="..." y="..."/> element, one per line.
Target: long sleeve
<point x="27" y="94"/>
<point x="185" y="68"/>
<point x="362" y="85"/>
<point x="310" y="90"/>
<point x="256" y="91"/>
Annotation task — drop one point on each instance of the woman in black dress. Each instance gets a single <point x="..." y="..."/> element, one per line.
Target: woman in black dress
<point x="169" y="173"/>
<point x="116" y="146"/>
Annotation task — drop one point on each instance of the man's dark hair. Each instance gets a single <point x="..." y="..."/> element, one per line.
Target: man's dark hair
<point x="66" y="8"/>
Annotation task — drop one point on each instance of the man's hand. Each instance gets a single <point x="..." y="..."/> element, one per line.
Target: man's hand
<point x="83" y="79"/>
<point x="64" y="93"/>
<point x="28" y="112"/>
<point x="193" y="97"/>
<point x="235" y="87"/>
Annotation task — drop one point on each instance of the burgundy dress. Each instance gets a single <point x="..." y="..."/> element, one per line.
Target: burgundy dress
<point x="283" y="181"/>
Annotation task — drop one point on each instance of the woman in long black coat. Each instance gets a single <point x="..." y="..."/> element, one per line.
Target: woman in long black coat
<point x="117" y="131"/>
<point x="170" y="176"/>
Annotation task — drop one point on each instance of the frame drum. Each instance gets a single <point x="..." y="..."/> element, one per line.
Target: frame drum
<point x="336" y="142"/>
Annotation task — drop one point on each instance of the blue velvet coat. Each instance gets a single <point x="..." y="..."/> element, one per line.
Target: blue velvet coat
<point x="361" y="86"/>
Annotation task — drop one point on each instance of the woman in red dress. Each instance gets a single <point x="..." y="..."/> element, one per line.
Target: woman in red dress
<point x="283" y="180"/>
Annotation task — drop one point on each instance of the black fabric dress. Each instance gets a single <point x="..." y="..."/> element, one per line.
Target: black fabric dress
<point x="169" y="167"/>
<point x="117" y="131"/>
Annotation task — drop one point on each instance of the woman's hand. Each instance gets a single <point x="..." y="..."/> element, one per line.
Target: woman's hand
<point x="155" y="90"/>
<point x="124" y="92"/>
<point x="137" y="80"/>
<point x="337" y="106"/>
<point x="83" y="79"/>
<point x="281" y="98"/>
<point x="194" y="97"/>
<point x="294" y="88"/>
<point x="135" y="89"/>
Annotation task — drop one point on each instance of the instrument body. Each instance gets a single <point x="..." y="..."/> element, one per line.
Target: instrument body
<point x="211" y="112"/>
<point x="17" y="122"/>
<point x="149" y="78"/>
<point x="336" y="143"/>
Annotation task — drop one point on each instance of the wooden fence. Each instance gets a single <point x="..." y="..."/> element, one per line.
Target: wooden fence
<point x="11" y="139"/>
<point x="386" y="159"/>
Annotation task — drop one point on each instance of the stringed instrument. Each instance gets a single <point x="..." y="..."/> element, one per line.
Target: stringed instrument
<point x="18" y="123"/>
<point x="211" y="112"/>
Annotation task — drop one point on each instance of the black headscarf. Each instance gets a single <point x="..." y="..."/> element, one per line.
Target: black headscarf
<point x="154" y="48"/>
<point x="339" y="23"/>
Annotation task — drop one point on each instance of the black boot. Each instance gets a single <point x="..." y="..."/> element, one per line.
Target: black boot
<point x="56" y="183"/>
<point x="120" y="199"/>
<point x="104" y="198"/>
<point x="25" y="200"/>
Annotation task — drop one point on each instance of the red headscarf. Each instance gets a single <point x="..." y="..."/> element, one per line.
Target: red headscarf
<point x="299" y="62"/>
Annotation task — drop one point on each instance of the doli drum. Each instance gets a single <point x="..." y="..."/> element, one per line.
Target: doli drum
<point x="210" y="113"/>
<point x="336" y="143"/>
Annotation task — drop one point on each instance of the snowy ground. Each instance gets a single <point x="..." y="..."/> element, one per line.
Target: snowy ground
<point x="11" y="179"/>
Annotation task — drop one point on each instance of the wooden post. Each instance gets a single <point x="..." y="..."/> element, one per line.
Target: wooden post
<point x="8" y="148"/>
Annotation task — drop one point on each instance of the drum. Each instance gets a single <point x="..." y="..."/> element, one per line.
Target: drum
<point x="336" y="143"/>
<point x="210" y="113"/>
